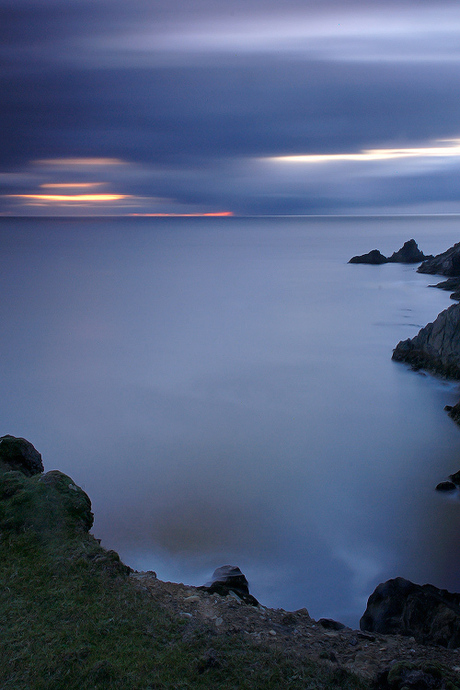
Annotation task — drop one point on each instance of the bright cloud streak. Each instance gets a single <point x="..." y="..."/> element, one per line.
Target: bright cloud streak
<point x="72" y="197"/>
<point x="65" y="162"/>
<point x="71" y="185"/>
<point x="452" y="150"/>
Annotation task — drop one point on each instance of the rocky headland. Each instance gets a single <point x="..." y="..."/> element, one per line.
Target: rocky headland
<point x="216" y="635"/>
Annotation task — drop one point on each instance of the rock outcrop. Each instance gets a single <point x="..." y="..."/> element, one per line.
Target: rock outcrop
<point x="33" y="500"/>
<point x="445" y="264"/>
<point x="372" y="257"/>
<point x="409" y="253"/>
<point x="436" y="347"/>
<point x="400" y="607"/>
<point x="19" y="454"/>
<point x="227" y="579"/>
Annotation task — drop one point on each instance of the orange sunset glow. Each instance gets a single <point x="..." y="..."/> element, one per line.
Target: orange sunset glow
<point x="72" y="197"/>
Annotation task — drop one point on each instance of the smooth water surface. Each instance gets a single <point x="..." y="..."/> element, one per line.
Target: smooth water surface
<point x="224" y="392"/>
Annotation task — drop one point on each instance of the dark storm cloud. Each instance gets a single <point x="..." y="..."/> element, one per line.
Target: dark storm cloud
<point x="188" y="94"/>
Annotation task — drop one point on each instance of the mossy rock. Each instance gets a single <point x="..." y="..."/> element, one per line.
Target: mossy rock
<point x="45" y="503"/>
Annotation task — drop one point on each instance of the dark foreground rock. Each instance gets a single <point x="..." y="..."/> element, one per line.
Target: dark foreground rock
<point x="227" y="579"/>
<point x="445" y="264"/>
<point x="409" y="253"/>
<point x="400" y="607"/>
<point x="19" y="454"/>
<point x="436" y="347"/>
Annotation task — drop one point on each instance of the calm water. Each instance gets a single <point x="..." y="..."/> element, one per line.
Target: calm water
<point x="224" y="392"/>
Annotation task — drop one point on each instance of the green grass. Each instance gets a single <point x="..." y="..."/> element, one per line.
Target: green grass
<point x="70" y="618"/>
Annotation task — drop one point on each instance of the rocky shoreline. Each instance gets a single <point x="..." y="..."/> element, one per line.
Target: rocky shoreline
<point x="409" y="635"/>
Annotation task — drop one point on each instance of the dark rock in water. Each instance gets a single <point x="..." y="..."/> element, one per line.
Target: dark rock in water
<point x="445" y="264"/>
<point x="400" y="607"/>
<point x="372" y="257"/>
<point x="451" y="285"/>
<point x="229" y="578"/>
<point x="455" y="478"/>
<point x="446" y="487"/>
<point x="454" y="413"/>
<point x="436" y="347"/>
<point x="330" y="624"/>
<point x="19" y="454"/>
<point x="408" y="254"/>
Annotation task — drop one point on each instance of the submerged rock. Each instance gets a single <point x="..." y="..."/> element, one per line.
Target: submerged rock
<point x="19" y="454"/>
<point x="373" y="257"/>
<point x="227" y="579"/>
<point x="436" y="347"/>
<point x="400" y="607"/>
<point x="445" y="264"/>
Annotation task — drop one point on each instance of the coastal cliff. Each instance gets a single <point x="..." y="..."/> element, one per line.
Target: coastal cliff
<point x="74" y="616"/>
<point x="436" y="347"/>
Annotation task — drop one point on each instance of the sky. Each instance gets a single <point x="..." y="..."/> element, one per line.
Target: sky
<point x="250" y="108"/>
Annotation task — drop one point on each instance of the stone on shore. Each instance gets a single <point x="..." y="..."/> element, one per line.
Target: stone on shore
<point x="445" y="264"/>
<point x="436" y="347"/>
<point x="227" y="579"/>
<point x="19" y="454"/>
<point x="400" y="607"/>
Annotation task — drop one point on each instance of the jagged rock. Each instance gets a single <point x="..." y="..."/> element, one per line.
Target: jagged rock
<point x="452" y="285"/>
<point x="445" y="264"/>
<point x="229" y="578"/>
<point x="436" y="347"/>
<point x="19" y="454"/>
<point x="372" y="257"/>
<point x="408" y="254"/>
<point x="455" y="478"/>
<point x="400" y="607"/>
<point x="454" y="412"/>
<point x="446" y="487"/>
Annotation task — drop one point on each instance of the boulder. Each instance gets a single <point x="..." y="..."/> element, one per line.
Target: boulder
<point x="436" y="347"/>
<point x="43" y="503"/>
<point x="227" y="579"/>
<point x="372" y="257"/>
<point x="400" y="607"/>
<point x="445" y="264"/>
<point x="408" y="254"/>
<point x="19" y="454"/>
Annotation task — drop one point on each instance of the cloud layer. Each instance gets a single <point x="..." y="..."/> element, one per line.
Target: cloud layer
<point x="195" y="102"/>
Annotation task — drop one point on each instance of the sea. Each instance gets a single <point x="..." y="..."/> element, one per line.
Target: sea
<point x="223" y="390"/>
